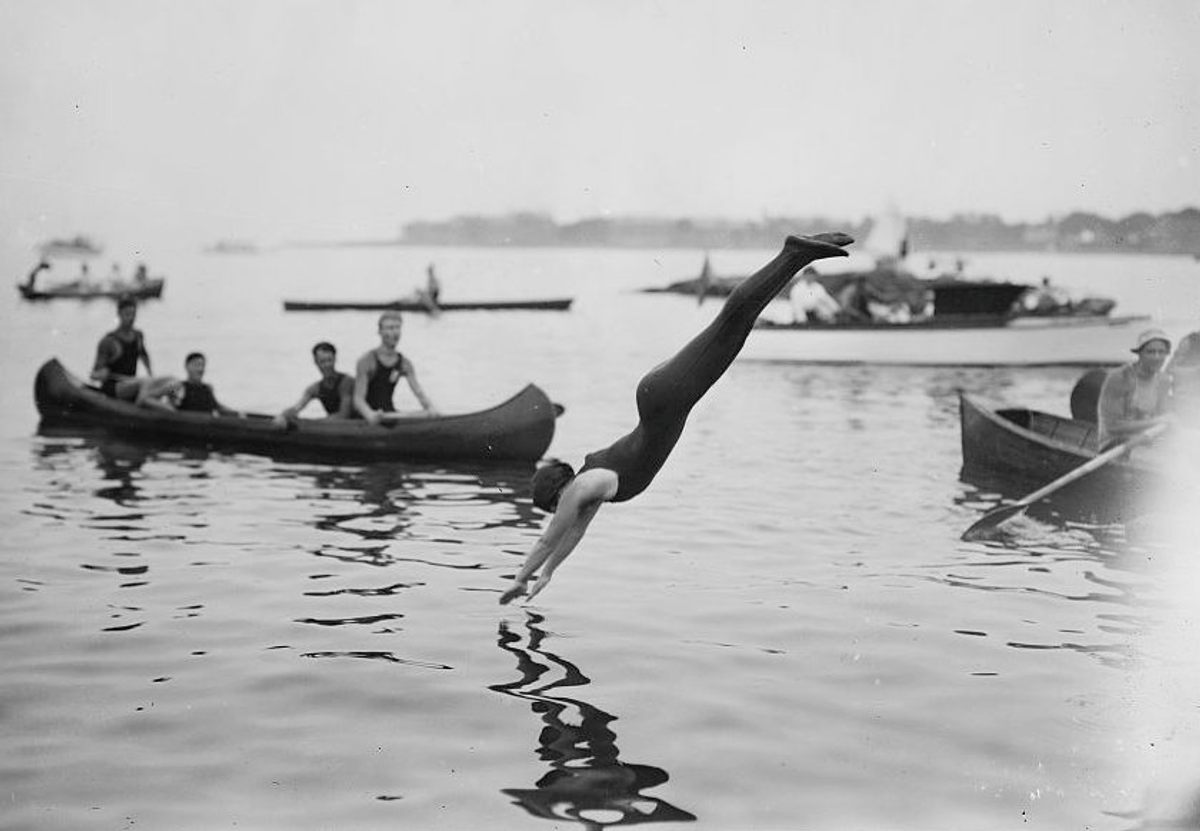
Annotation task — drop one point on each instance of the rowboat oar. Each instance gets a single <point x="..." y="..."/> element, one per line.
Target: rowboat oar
<point x="982" y="528"/>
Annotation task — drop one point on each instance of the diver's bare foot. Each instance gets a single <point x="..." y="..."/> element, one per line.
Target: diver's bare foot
<point x="512" y="593"/>
<point x="819" y="246"/>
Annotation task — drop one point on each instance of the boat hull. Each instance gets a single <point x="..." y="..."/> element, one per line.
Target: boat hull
<point x="1020" y="341"/>
<point x="519" y="429"/>
<point x="148" y="290"/>
<point x="551" y="305"/>
<point x="1018" y="450"/>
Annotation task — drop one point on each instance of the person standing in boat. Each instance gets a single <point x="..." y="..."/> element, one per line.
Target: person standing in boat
<point x="117" y="358"/>
<point x="665" y="396"/>
<point x="378" y="372"/>
<point x="335" y="390"/>
<point x="1135" y="397"/>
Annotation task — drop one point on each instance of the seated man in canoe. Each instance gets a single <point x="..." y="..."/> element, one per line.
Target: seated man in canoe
<point x="117" y="357"/>
<point x="1135" y="397"/>
<point x="196" y="396"/>
<point x="378" y="372"/>
<point x="335" y="390"/>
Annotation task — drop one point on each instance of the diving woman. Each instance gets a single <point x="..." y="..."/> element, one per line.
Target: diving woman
<point x="665" y="396"/>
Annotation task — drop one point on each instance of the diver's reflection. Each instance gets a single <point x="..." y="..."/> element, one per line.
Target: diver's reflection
<point x="586" y="783"/>
<point x="120" y="464"/>
<point x="390" y="494"/>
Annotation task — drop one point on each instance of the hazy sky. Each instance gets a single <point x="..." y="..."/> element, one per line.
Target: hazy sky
<point x="295" y="119"/>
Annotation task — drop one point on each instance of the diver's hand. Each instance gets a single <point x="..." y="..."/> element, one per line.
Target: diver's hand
<point x="512" y="593"/>
<point x="538" y="585"/>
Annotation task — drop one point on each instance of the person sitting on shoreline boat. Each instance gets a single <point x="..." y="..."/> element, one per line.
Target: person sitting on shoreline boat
<point x="194" y="395"/>
<point x="1135" y="397"/>
<point x="117" y="357"/>
<point x="665" y="397"/>
<point x="379" y="370"/>
<point x="1045" y="299"/>
<point x="335" y="390"/>
<point x="810" y="302"/>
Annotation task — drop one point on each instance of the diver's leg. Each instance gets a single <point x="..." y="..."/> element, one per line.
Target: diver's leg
<point x="682" y="380"/>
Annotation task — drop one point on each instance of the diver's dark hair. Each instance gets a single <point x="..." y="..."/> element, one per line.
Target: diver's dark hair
<point x="324" y="346"/>
<point x="548" y="482"/>
<point x="192" y="356"/>
<point x="126" y="300"/>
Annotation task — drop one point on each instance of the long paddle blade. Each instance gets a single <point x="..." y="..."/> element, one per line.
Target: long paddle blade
<point x="983" y="527"/>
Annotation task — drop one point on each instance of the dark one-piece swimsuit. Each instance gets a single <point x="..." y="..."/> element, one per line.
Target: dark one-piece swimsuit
<point x="382" y="383"/>
<point x="125" y="363"/>
<point x="666" y="395"/>
<point x="329" y="392"/>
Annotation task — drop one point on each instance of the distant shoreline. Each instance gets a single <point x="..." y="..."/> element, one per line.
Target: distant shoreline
<point x="1176" y="233"/>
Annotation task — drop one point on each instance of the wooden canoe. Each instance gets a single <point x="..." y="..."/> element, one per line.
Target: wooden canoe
<point x="141" y="291"/>
<point x="561" y="304"/>
<point x="1019" y="450"/>
<point x="520" y="429"/>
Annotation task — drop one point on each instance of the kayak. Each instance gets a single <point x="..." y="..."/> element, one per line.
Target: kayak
<point x="519" y="429"/>
<point x="551" y="305"/>
<point x="141" y="291"/>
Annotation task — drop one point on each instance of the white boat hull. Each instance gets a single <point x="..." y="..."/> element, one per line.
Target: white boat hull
<point x="1021" y="342"/>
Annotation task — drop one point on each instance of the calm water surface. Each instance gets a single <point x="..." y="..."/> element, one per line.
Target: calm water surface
<point x="783" y="632"/>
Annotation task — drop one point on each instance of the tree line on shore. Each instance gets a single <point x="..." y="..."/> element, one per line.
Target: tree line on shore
<point x="1175" y="232"/>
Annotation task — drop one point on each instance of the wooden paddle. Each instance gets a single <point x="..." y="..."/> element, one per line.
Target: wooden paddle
<point x="983" y="527"/>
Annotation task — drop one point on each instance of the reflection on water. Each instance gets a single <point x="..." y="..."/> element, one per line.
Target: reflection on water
<point x="587" y="782"/>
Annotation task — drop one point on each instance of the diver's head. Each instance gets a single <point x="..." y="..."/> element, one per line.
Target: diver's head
<point x="548" y="483"/>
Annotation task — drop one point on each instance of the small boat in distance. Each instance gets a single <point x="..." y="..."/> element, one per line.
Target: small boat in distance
<point x="232" y="246"/>
<point x="148" y="289"/>
<point x="519" y="429"/>
<point x="560" y="304"/>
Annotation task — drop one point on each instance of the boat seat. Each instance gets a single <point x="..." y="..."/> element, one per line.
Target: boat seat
<point x="1079" y="434"/>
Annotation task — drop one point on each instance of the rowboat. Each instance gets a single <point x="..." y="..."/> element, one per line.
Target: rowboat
<point x="950" y="340"/>
<point x="1019" y="450"/>
<point x="142" y="290"/>
<point x="519" y="429"/>
<point x="552" y="305"/>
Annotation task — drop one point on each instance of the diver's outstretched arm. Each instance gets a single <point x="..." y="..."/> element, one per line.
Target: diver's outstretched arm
<point x="577" y="506"/>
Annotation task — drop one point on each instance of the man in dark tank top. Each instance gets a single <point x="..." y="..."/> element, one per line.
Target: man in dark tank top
<point x="378" y="372"/>
<point x="117" y="358"/>
<point x="194" y="395"/>
<point x="335" y="390"/>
